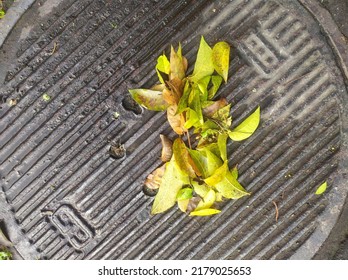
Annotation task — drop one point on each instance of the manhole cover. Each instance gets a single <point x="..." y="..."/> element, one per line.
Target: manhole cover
<point x="65" y="70"/>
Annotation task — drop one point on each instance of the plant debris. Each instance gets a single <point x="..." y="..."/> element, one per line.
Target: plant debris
<point x="195" y="173"/>
<point x="321" y="189"/>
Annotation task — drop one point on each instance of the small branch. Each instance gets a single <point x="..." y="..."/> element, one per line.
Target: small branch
<point x="277" y="211"/>
<point x="188" y="139"/>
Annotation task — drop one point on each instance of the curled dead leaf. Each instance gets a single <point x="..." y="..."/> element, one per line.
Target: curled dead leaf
<point x="176" y="121"/>
<point x="154" y="180"/>
<point x="192" y="204"/>
<point x="210" y="110"/>
<point x="167" y="150"/>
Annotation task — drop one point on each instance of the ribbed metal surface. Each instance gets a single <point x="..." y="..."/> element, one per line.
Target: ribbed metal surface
<point x="72" y="201"/>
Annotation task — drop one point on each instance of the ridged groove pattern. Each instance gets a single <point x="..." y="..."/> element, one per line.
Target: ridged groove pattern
<point x="73" y="201"/>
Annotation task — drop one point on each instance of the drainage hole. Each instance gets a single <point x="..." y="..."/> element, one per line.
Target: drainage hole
<point x="130" y="105"/>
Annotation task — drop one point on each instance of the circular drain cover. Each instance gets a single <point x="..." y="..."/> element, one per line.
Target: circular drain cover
<point x="65" y="70"/>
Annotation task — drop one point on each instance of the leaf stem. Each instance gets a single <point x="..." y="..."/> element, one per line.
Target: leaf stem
<point x="188" y="139"/>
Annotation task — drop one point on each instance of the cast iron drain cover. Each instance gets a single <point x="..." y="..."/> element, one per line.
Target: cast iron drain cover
<point x="64" y="197"/>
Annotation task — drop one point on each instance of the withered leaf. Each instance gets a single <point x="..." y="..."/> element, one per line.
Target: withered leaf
<point x="210" y="110"/>
<point x="167" y="150"/>
<point x="176" y="121"/>
<point x="177" y="65"/>
<point x="183" y="158"/>
<point x="150" y="99"/>
<point x="154" y="180"/>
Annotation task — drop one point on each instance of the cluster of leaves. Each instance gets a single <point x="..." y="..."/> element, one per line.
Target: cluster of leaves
<point x="195" y="175"/>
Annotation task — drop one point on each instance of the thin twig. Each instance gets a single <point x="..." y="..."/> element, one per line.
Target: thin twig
<point x="188" y="139"/>
<point x="277" y="211"/>
<point x="298" y="78"/>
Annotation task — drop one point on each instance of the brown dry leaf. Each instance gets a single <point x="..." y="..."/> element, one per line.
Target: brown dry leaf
<point x="192" y="204"/>
<point x="153" y="181"/>
<point x="170" y="97"/>
<point x="167" y="150"/>
<point x="176" y="121"/>
<point x="176" y="64"/>
<point x="210" y="110"/>
<point x="177" y="87"/>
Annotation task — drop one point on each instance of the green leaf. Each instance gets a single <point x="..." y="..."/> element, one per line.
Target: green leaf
<point x="184" y="193"/>
<point x="235" y="173"/>
<point x="2" y="13"/>
<point x="172" y="181"/>
<point x="200" y="160"/>
<point x="208" y="200"/>
<point x="205" y="212"/>
<point x="247" y="127"/>
<point x="203" y="88"/>
<point x="204" y="62"/>
<point x="205" y="161"/>
<point x="150" y="99"/>
<point x="46" y="97"/>
<point x="229" y="187"/>
<point x="195" y="104"/>
<point x="321" y="189"/>
<point x="221" y="59"/>
<point x="212" y="147"/>
<point x="216" y="81"/>
<point x="183" y="158"/>
<point x="163" y="65"/>
<point x="183" y="102"/>
<point x="191" y="118"/>
<point x="218" y="175"/>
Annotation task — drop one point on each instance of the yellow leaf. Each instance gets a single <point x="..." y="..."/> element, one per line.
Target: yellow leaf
<point x="208" y="200"/>
<point x="182" y="204"/>
<point x="205" y="212"/>
<point x="163" y="66"/>
<point x="204" y="63"/>
<point x="221" y="59"/>
<point x="218" y="175"/>
<point x="247" y="127"/>
<point x="172" y="181"/>
<point x="321" y="188"/>
<point x="183" y="158"/>
<point x="200" y="189"/>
